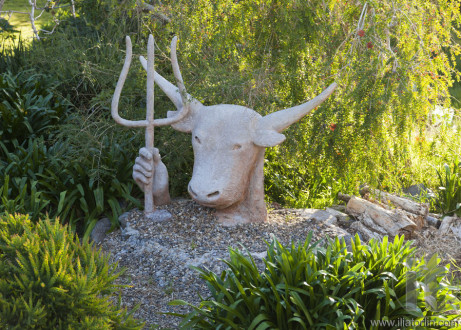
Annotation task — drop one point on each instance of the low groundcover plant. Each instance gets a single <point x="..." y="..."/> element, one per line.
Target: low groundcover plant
<point x="51" y="280"/>
<point x="325" y="286"/>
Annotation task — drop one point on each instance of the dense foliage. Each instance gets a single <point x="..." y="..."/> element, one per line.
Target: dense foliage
<point x="450" y="188"/>
<point x="29" y="107"/>
<point x="393" y="61"/>
<point x="324" y="286"/>
<point x="43" y="170"/>
<point x="61" y="153"/>
<point x="51" y="280"/>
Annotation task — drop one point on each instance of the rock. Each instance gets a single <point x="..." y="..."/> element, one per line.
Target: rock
<point x="342" y="217"/>
<point x="364" y="189"/>
<point x="340" y="208"/>
<point x="335" y="231"/>
<point x="332" y="232"/>
<point x="432" y="221"/>
<point x="319" y="216"/>
<point x="122" y="219"/>
<point x="100" y="229"/>
<point x="451" y="225"/>
<point x="199" y="261"/>
<point x="418" y="190"/>
<point x="446" y="224"/>
<point x="159" y="216"/>
<point x="259" y="255"/>
<point x="128" y="232"/>
<point x="457" y="230"/>
<point x="350" y="237"/>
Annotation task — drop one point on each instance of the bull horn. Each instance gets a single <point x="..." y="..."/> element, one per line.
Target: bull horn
<point x="280" y="120"/>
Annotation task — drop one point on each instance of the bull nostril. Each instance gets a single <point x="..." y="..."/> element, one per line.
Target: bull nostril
<point x="213" y="194"/>
<point x="192" y="192"/>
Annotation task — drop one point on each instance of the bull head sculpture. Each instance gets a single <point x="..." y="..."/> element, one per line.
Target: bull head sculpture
<point x="229" y="142"/>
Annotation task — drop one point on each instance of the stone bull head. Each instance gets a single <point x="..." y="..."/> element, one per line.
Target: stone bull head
<point x="229" y="142"/>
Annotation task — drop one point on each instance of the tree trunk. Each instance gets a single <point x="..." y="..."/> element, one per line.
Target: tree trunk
<point x="366" y="232"/>
<point x="403" y="203"/>
<point x="394" y="222"/>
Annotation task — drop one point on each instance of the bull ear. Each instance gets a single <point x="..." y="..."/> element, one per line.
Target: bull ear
<point x="267" y="138"/>
<point x="184" y="125"/>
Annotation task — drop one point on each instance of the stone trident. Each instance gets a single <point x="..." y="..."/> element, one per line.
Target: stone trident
<point x="149" y="123"/>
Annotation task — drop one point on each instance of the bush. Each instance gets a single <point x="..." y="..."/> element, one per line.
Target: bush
<point x="449" y="193"/>
<point x="51" y="280"/>
<point x="87" y="62"/>
<point x="324" y="287"/>
<point x="60" y="181"/>
<point x="26" y="200"/>
<point x="389" y="80"/>
<point x="85" y="183"/>
<point x="29" y="107"/>
<point x="20" y="174"/>
<point x="73" y="167"/>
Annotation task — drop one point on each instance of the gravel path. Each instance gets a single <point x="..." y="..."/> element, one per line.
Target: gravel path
<point x="158" y="256"/>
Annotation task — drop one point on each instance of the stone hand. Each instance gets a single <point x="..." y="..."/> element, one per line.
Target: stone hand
<point x="143" y="171"/>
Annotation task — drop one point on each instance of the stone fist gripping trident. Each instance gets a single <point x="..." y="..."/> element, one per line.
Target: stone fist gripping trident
<point x="143" y="171"/>
<point x="149" y="171"/>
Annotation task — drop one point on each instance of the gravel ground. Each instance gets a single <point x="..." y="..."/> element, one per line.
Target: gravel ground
<point x="158" y="256"/>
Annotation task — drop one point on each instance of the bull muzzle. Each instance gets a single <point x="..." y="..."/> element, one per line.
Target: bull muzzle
<point x="207" y="197"/>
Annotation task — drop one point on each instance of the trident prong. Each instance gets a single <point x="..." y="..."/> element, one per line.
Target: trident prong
<point x="150" y="122"/>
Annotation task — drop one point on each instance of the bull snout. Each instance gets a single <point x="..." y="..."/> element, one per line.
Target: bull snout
<point x="207" y="197"/>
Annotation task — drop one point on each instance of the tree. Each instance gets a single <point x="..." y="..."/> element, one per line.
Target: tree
<point x="394" y="60"/>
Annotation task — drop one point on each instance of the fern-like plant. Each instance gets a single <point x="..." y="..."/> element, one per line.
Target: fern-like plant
<point x="312" y="286"/>
<point x="449" y="193"/>
<point x="29" y="107"/>
<point x="51" y="280"/>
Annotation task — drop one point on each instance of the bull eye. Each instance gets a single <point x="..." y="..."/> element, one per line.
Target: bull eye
<point x="197" y="139"/>
<point x="236" y="146"/>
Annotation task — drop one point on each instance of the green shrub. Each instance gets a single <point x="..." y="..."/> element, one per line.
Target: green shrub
<point x="323" y="287"/>
<point x="27" y="201"/>
<point x="449" y="192"/>
<point x="20" y="170"/>
<point x="51" y="280"/>
<point x="29" y="107"/>
<point x="79" y="187"/>
<point x="84" y="184"/>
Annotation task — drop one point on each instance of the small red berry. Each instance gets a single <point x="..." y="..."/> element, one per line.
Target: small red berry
<point x="332" y="127"/>
<point x="361" y="33"/>
<point x="369" y="45"/>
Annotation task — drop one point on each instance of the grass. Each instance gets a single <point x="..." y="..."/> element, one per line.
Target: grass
<point x="21" y="22"/>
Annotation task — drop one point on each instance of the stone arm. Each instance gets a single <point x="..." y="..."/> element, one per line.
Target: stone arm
<point x="143" y="171"/>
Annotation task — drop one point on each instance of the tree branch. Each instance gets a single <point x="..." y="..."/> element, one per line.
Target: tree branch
<point x="154" y="11"/>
